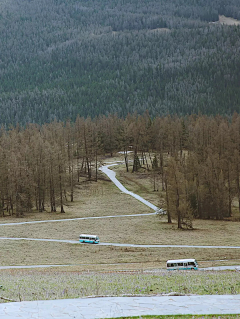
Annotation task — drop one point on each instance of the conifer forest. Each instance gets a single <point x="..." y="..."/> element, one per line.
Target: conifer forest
<point x="80" y="79"/>
<point x="64" y="58"/>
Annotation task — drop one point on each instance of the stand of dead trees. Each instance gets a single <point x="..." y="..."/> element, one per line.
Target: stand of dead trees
<point x="195" y="160"/>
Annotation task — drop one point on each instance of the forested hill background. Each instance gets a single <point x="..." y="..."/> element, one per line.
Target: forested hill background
<point x="61" y="58"/>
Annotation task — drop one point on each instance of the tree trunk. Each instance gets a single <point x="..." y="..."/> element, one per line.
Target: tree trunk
<point x="126" y="159"/>
<point x="167" y="200"/>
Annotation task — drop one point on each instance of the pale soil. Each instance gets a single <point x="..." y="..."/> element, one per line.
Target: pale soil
<point x="157" y="30"/>
<point x="160" y="30"/>
<point x="228" y="21"/>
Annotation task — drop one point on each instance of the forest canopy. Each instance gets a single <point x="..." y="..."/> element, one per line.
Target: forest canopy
<point x="64" y="58"/>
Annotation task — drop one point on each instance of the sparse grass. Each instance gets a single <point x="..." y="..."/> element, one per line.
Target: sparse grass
<point x="60" y="284"/>
<point x="97" y="257"/>
<point x="133" y="230"/>
<point x="140" y="183"/>
<point x="104" y="199"/>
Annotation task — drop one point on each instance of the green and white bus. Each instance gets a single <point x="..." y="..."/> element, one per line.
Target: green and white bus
<point x="182" y="264"/>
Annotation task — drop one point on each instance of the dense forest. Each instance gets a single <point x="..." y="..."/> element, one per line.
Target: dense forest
<point x="196" y="160"/>
<point x="64" y="58"/>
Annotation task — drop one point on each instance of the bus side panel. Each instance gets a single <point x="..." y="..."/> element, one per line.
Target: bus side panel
<point x="88" y="241"/>
<point x="182" y="268"/>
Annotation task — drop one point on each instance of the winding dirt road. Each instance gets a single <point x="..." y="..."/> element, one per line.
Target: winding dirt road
<point x="112" y="175"/>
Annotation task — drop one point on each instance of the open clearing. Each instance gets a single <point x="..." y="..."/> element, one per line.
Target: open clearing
<point x="105" y="199"/>
<point x="228" y="20"/>
<point x="95" y="261"/>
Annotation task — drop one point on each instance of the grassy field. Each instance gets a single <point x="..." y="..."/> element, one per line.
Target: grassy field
<point x="109" y="270"/>
<point x="104" y="199"/>
<point x="33" y="284"/>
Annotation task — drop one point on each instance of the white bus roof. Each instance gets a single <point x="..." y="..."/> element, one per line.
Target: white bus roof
<point x="87" y="235"/>
<point x="181" y="260"/>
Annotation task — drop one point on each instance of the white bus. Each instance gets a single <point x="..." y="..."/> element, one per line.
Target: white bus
<point x="182" y="264"/>
<point x="91" y="239"/>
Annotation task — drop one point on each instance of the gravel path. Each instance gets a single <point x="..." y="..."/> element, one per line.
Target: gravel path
<point x="112" y="175"/>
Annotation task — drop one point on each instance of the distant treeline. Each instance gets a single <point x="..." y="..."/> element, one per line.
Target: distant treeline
<point x="196" y="158"/>
<point x="64" y="58"/>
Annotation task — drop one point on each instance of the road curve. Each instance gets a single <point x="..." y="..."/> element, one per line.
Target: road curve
<point x="114" y="307"/>
<point x="112" y="175"/>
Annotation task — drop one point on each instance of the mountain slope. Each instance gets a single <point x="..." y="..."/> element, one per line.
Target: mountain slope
<point x="61" y="58"/>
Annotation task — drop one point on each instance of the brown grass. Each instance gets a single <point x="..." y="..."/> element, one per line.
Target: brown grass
<point x="104" y="199"/>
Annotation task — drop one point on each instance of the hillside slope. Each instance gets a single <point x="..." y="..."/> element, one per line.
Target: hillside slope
<point x="61" y="58"/>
